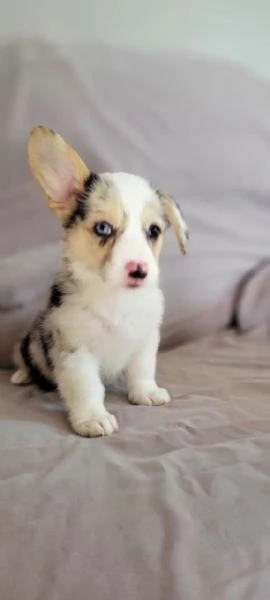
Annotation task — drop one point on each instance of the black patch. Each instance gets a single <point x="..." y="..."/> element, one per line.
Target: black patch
<point x="35" y="373"/>
<point x="90" y="183"/>
<point x="104" y="240"/>
<point x="80" y="211"/>
<point x="78" y="214"/>
<point x="46" y="344"/>
<point x="56" y="296"/>
<point x="157" y="191"/>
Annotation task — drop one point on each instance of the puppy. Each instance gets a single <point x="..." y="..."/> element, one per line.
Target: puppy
<point x="104" y="310"/>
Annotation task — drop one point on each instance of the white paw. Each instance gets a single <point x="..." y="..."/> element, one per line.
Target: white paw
<point x="154" y="397"/>
<point x="20" y="377"/>
<point x="100" y="425"/>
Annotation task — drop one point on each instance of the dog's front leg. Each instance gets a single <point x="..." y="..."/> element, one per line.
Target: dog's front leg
<point x="140" y="375"/>
<point x="80" y="386"/>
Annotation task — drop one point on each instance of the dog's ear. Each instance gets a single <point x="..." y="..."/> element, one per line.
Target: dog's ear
<point x="175" y="220"/>
<point x="58" y="169"/>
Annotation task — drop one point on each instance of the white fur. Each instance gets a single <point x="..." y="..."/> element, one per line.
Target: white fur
<point x="117" y="333"/>
<point x="132" y="246"/>
<point x="107" y="329"/>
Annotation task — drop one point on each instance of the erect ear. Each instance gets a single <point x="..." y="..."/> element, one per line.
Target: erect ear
<point x="58" y="169"/>
<point x="175" y="220"/>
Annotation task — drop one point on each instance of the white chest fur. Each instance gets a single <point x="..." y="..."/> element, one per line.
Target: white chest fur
<point x="111" y="326"/>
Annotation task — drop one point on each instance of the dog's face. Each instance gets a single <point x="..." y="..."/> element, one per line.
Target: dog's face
<point x="114" y="222"/>
<point x="117" y="229"/>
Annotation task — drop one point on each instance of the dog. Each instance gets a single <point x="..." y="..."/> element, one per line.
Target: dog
<point x="103" y="314"/>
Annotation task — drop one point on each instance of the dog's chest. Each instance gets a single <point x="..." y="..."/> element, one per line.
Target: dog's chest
<point x="113" y="328"/>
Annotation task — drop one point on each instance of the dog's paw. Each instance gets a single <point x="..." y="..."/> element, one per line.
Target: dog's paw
<point x="20" y="377"/>
<point x="95" y="426"/>
<point x="154" y="397"/>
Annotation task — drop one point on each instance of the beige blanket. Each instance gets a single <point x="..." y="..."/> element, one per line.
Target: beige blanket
<point x="175" y="506"/>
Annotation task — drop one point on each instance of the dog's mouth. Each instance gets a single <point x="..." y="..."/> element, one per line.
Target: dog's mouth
<point x="135" y="283"/>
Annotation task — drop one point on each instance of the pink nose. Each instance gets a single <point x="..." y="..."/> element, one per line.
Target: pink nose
<point x="136" y="270"/>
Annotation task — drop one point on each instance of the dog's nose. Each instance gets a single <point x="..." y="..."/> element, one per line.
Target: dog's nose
<point x="136" y="270"/>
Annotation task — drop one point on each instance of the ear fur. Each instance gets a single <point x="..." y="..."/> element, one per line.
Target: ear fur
<point x="58" y="168"/>
<point x="175" y="220"/>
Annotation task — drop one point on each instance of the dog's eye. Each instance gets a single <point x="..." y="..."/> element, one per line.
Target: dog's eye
<point x="153" y="232"/>
<point x="103" y="229"/>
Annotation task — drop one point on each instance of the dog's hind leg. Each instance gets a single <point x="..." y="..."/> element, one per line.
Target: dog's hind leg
<point x="20" y="377"/>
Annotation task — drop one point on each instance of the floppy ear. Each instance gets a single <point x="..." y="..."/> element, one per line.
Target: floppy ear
<point x="175" y="220"/>
<point x="58" y="169"/>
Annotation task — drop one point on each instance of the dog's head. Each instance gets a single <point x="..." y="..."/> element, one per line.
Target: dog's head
<point x="114" y="222"/>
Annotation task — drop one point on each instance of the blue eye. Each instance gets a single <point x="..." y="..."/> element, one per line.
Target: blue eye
<point x="153" y="232"/>
<point x="103" y="229"/>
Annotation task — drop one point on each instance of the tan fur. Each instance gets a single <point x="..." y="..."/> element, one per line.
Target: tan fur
<point x="153" y="214"/>
<point x="175" y="220"/>
<point x="48" y="154"/>
<point x="61" y="173"/>
<point x="85" y="245"/>
<point x="107" y="206"/>
<point x="95" y="326"/>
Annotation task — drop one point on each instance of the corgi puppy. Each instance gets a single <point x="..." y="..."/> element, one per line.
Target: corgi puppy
<point x="103" y="314"/>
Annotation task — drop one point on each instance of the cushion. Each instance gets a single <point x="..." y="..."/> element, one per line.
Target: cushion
<point x="253" y="306"/>
<point x="195" y="127"/>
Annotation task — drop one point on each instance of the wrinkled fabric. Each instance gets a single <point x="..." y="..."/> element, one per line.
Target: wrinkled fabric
<point x="175" y="505"/>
